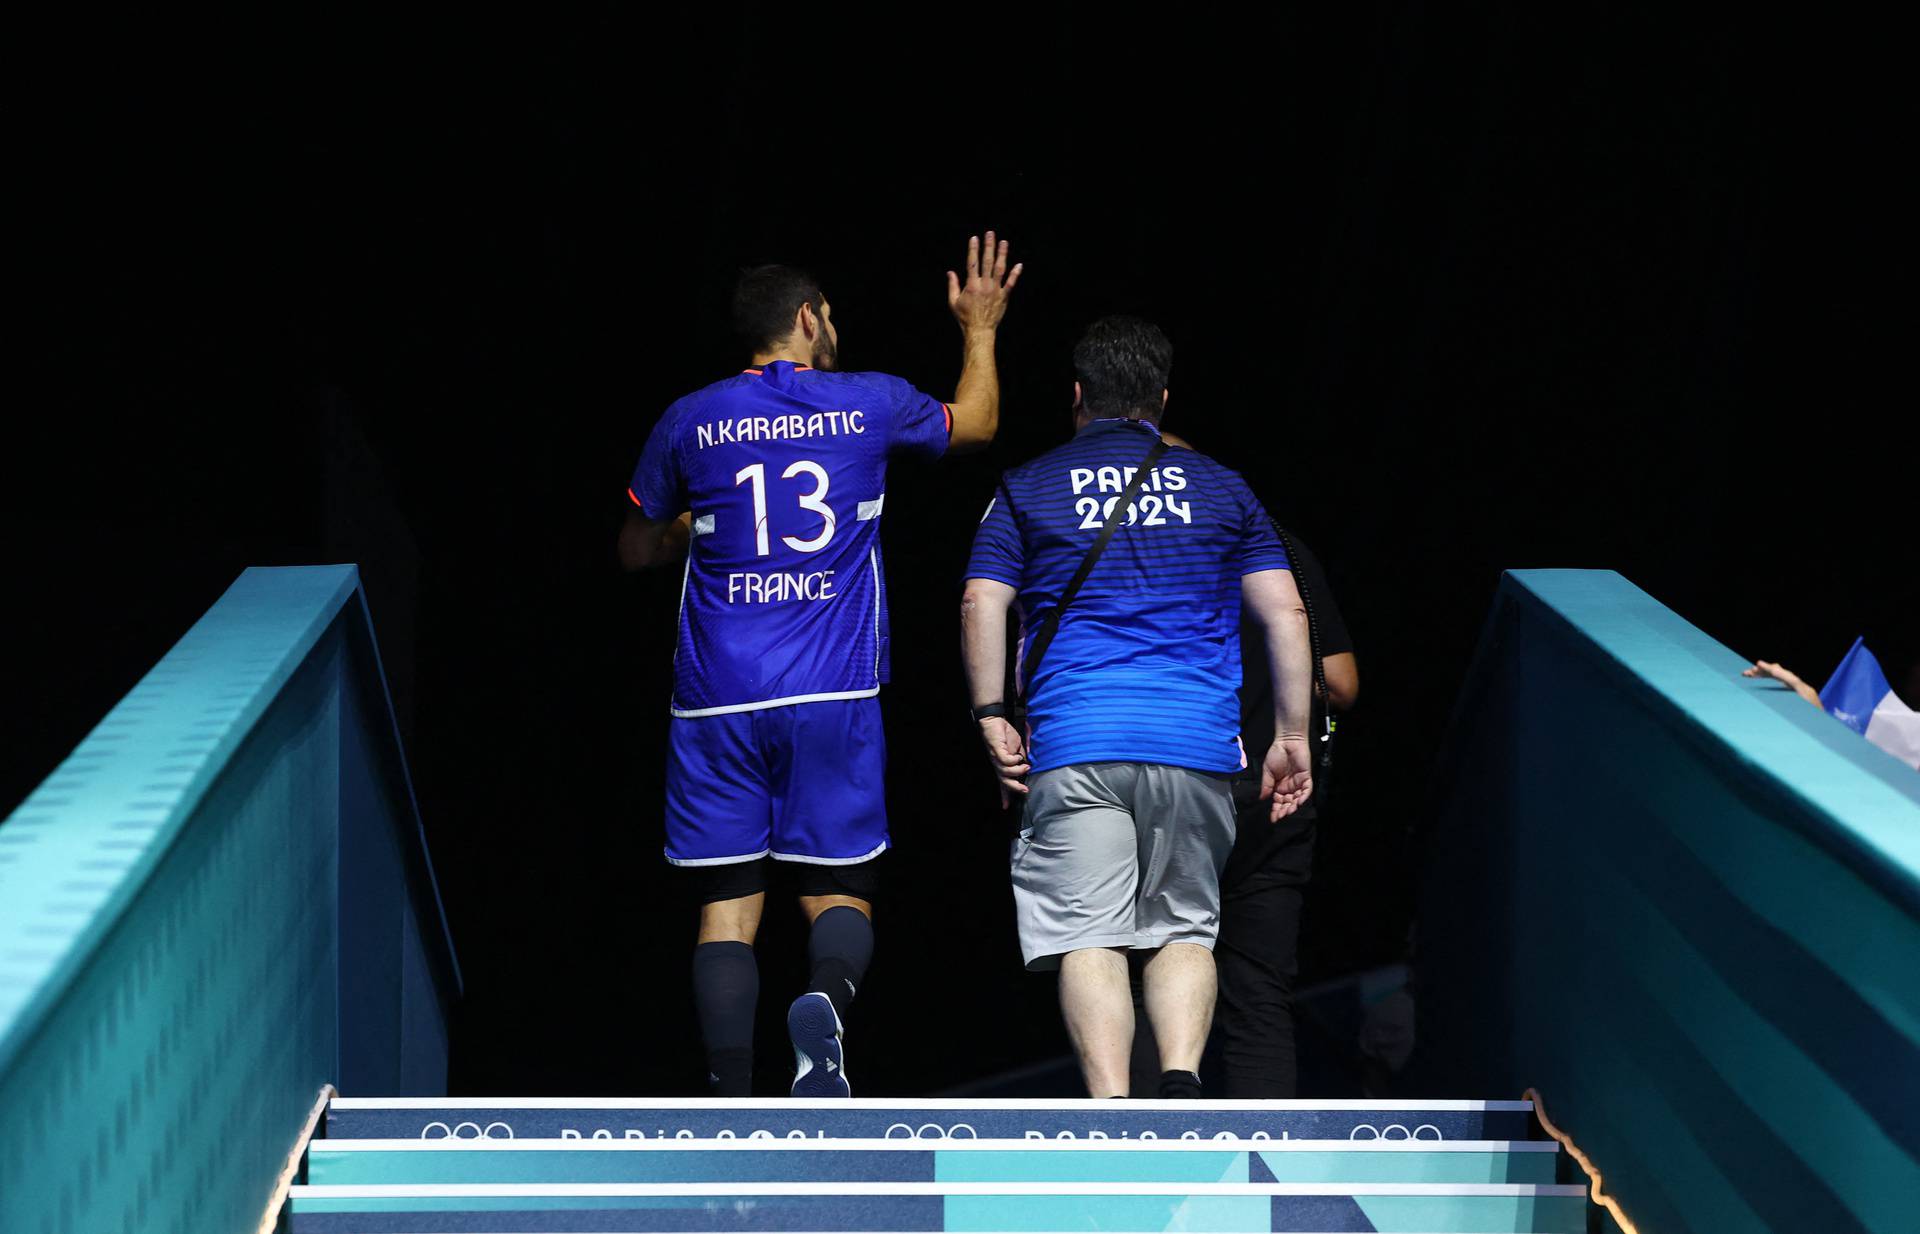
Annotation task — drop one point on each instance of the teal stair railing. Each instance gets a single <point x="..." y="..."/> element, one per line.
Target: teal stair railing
<point x="220" y="902"/>
<point x="1685" y="907"/>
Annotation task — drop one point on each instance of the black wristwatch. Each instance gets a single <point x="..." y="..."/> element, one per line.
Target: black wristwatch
<point x="988" y="712"/>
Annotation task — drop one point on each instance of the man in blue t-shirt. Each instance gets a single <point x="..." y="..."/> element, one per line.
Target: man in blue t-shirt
<point x="1132" y="721"/>
<point x="772" y="482"/>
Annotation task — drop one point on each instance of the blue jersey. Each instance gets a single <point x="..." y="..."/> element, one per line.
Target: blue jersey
<point x="1145" y="665"/>
<point x="785" y="471"/>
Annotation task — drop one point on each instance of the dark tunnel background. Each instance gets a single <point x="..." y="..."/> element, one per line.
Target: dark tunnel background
<point x="1459" y="289"/>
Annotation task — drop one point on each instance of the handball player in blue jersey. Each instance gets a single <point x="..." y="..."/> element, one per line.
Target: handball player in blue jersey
<point x="772" y="482"/>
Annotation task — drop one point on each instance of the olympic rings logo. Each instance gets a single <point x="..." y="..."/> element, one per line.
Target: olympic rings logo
<point x="906" y="1131"/>
<point x="931" y="1131"/>
<point x="1386" y="1132"/>
<point x="466" y="1131"/>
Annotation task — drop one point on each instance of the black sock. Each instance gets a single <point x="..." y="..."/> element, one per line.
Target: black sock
<point x="1179" y="1086"/>
<point x="839" y="950"/>
<point x="726" y="985"/>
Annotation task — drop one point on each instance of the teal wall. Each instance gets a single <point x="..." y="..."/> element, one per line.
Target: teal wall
<point x="172" y="950"/>
<point x="1686" y="907"/>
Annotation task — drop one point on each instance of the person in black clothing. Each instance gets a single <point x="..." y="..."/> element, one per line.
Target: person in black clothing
<point x="1263" y="886"/>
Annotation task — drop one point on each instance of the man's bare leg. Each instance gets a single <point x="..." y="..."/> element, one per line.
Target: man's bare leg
<point x="1098" y="1007"/>
<point x="813" y="906"/>
<point x="1180" y="990"/>
<point x="732" y="921"/>
<point x="726" y="987"/>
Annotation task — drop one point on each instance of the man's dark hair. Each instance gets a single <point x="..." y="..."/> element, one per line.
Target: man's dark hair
<point x="765" y="300"/>
<point x="1121" y="364"/>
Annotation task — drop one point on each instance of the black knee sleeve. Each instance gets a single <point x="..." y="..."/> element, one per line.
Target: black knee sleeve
<point x="839" y="950"/>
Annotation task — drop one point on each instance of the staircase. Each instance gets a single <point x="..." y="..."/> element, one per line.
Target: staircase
<point x="514" y="1166"/>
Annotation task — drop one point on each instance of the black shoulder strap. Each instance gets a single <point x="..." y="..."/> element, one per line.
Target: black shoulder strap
<point x="1050" y="625"/>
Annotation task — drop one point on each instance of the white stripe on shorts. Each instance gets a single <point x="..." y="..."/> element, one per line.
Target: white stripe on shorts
<point x="831" y="861"/>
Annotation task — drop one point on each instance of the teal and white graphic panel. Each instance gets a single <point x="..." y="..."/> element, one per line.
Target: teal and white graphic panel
<point x="927" y="1119"/>
<point x="605" y="1208"/>
<point x="379" y="1162"/>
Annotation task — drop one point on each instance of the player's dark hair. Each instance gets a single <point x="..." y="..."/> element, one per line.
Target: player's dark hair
<point x="765" y="300"/>
<point x="1121" y="364"/>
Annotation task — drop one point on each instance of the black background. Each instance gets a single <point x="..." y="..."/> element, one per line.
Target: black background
<point x="1459" y="288"/>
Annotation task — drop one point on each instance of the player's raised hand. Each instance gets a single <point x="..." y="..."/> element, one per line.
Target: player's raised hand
<point x="1008" y="754"/>
<point x="1286" y="777"/>
<point x="978" y="296"/>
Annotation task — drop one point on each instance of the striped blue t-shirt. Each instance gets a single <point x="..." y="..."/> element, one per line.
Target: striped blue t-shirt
<point x="1146" y="663"/>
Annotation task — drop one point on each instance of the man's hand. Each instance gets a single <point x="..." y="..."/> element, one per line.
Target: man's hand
<point x="981" y="300"/>
<point x="1786" y="677"/>
<point x="1008" y="754"/>
<point x="1286" y="777"/>
<point x="978" y="304"/>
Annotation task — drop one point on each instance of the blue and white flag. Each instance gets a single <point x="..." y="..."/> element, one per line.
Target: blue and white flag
<point x="1859" y="697"/>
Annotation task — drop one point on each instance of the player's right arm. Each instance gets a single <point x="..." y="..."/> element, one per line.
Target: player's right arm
<point x="659" y="525"/>
<point x="648" y="542"/>
<point x="979" y="301"/>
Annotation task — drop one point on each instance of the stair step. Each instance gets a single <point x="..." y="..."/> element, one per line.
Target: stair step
<point x="351" y="1162"/>
<point x="880" y="1118"/>
<point x="604" y="1208"/>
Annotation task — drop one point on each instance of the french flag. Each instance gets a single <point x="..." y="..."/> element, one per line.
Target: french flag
<point x="1859" y="697"/>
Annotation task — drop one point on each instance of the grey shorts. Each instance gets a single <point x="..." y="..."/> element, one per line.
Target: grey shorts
<point x="1120" y="855"/>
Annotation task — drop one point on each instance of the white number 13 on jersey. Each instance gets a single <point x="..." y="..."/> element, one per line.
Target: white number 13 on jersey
<point x="815" y="501"/>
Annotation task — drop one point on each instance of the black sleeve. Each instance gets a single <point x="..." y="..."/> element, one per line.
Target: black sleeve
<point x="1312" y="582"/>
<point x="1256" y="683"/>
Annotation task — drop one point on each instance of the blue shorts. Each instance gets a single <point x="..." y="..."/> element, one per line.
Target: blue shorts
<point x="803" y="782"/>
